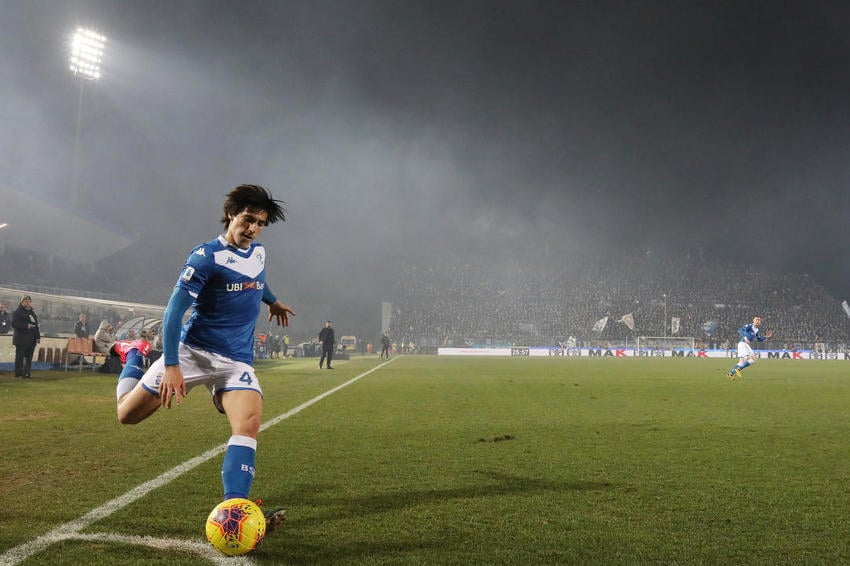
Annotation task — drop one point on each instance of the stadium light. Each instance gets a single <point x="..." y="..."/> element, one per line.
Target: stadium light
<point x="87" y="48"/>
<point x="87" y="53"/>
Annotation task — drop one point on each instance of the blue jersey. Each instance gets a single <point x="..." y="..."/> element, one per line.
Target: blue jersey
<point x="227" y="285"/>
<point x="751" y="333"/>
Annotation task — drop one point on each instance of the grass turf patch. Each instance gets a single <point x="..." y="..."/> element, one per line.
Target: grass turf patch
<point x="462" y="461"/>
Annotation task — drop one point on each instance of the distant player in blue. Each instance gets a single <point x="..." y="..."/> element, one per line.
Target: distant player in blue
<point x="224" y="281"/>
<point x="746" y="356"/>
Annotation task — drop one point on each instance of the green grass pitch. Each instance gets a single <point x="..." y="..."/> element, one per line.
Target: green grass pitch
<point x="435" y="460"/>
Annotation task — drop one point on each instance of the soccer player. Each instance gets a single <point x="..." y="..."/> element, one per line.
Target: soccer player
<point x="746" y="356"/>
<point x="224" y="281"/>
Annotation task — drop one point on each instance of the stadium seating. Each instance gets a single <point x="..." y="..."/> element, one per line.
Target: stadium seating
<point x="80" y="352"/>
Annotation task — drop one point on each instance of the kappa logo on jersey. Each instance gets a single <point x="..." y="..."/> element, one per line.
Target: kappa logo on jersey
<point x="201" y="252"/>
<point x="246" y="286"/>
<point x="249" y="267"/>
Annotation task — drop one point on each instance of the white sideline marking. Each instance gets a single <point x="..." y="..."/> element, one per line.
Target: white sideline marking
<point x="71" y="529"/>
<point x="203" y="550"/>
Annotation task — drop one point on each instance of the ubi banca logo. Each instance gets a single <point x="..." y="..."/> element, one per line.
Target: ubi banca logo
<point x="246" y="286"/>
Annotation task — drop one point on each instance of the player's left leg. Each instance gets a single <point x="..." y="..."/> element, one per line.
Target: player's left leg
<point x="244" y="408"/>
<point x="237" y="393"/>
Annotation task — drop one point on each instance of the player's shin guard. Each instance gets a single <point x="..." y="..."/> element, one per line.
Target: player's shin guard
<point x="237" y="470"/>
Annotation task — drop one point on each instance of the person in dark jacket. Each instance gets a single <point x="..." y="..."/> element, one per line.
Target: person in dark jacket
<point x="327" y="340"/>
<point x="385" y="346"/>
<point x="81" y="328"/>
<point x="5" y="320"/>
<point x="26" y="336"/>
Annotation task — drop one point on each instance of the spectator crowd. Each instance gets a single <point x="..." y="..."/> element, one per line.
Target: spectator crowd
<point x="539" y="302"/>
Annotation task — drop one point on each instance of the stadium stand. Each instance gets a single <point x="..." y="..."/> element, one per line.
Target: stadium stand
<point x="527" y="302"/>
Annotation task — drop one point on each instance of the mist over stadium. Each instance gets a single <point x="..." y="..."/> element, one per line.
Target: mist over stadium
<point x="497" y="171"/>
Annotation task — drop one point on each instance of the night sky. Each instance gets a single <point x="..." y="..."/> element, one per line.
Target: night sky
<point x="396" y="131"/>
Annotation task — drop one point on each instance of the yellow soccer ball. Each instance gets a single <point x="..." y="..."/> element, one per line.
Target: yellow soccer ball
<point x="236" y="526"/>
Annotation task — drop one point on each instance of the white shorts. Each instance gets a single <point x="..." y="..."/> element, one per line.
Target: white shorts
<point x="200" y="367"/>
<point x="744" y="350"/>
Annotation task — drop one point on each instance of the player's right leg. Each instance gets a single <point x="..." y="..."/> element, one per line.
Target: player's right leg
<point x="736" y="370"/>
<point x="746" y="357"/>
<point x="135" y="403"/>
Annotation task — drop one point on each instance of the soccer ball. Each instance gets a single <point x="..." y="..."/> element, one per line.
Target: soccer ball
<point x="236" y="526"/>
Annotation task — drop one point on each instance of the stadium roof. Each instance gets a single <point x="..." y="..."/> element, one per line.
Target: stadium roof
<point x="130" y="306"/>
<point x="35" y="223"/>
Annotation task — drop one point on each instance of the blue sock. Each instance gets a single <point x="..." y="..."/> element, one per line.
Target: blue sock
<point x="745" y="364"/>
<point x="131" y="373"/>
<point x="237" y="470"/>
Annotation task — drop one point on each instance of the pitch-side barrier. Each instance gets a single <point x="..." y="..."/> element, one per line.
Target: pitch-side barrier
<point x="538" y="351"/>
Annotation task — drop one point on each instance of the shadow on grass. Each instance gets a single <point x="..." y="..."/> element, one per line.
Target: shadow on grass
<point x="337" y="508"/>
<point x="499" y="484"/>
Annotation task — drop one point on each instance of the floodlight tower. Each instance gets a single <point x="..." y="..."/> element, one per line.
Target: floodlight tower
<point x="86" y="53"/>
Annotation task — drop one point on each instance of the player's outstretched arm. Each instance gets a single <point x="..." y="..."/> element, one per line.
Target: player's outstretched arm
<point x="281" y="313"/>
<point x="172" y="384"/>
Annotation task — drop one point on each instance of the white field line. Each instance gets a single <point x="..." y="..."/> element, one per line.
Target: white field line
<point x="71" y="529"/>
<point x="202" y="549"/>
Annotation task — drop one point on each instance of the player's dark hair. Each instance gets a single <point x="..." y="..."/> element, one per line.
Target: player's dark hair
<point x="253" y="197"/>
